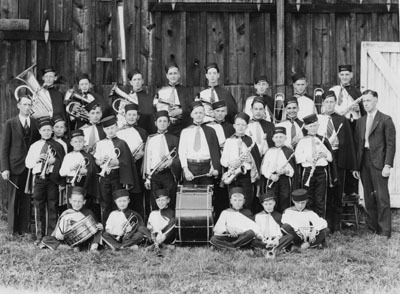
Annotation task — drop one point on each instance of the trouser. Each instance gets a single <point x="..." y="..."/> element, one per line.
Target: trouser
<point x="282" y="189"/>
<point x="108" y="184"/>
<point x="199" y="168"/>
<point x="19" y="205"/>
<point x="232" y="243"/>
<point x="53" y="243"/>
<point x="316" y="189"/>
<point x="220" y="199"/>
<point x="244" y="181"/>
<point x="134" y="237"/>
<point x="45" y="198"/>
<point x="284" y="242"/>
<point x="334" y="199"/>
<point x="163" y="180"/>
<point x="376" y="196"/>
<point x="297" y="240"/>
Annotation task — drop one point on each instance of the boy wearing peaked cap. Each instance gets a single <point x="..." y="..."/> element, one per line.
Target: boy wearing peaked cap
<point x="124" y="228"/>
<point x="278" y="168"/>
<point x="93" y="131"/>
<point x="67" y="221"/>
<point x="161" y="222"/>
<point x="305" y="102"/>
<point x="49" y="77"/>
<point x="315" y="154"/>
<point x="235" y="227"/>
<point x="261" y="85"/>
<point x="44" y="158"/>
<point x="270" y="224"/>
<point x="305" y="226"/>
<point x="59" y="131"/>
<point x="118" y="169"/>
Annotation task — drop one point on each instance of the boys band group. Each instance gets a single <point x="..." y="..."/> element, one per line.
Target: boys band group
<point x="119" y="168"/>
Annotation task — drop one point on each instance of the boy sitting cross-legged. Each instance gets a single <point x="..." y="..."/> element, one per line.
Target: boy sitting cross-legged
<point x="124" y="228"/>
<point x="270" y="224"/>
<point x="67" y="221"/>
<point x="161" y="222"/>
<point x="306" y="227"/>
<point x="235" y="227"/>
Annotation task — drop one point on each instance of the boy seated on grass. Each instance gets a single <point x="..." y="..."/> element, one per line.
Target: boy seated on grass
<point x="161" y="222"/>
<point x="270" y="224"/>
<point x="235" y="227"/>
<point x="306" y="227"/>
<point x="68" y="219"/>
<point x="124" y="227"/>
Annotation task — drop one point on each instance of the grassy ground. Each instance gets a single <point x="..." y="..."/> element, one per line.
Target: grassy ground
<point x="354" y="262"/>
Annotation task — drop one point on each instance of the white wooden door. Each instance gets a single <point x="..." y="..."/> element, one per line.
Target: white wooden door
<point x="380" y="71"/>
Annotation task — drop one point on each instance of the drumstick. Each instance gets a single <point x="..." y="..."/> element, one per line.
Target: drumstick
<point x="199" y="176"/>
<point x="12" y="183"/>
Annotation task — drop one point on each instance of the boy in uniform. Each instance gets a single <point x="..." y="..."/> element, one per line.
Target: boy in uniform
<point x="93" y="131"/>
<point x="70" y="217"/>
<point x="216" y="93"/>
<point x="241" y="158"/>
<point x="59" y="130"/>
<point x="270" y="224"/>
<point x="161" y="222"/>
<point x="158" y="147"/>
<point x="124" y="228"/>
<point x="44" y="158"/>
<point x="305" y="226"/>
<point x="305" y="102"/>
<point x="314" y="153"/>
<point x="117" y="167"/>
<point x="235" y="227"/>
<point x="278" y="167"/>
<point x="261" y="85"/>
<point x="199" y="150"/>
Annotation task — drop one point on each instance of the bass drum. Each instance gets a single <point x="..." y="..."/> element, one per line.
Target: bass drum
<point x="194" y="214"/>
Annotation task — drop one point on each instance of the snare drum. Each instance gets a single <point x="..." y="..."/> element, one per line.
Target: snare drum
<point x="81" y="231"/>
<point x="194" y="214"/>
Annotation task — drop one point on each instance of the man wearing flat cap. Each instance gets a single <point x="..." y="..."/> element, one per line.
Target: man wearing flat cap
<point x="214" y="93"/>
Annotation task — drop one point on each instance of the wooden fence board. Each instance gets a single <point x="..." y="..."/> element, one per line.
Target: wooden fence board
<point x="216" y="41"/>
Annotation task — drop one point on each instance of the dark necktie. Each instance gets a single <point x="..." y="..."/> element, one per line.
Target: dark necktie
<point x="197" y="140"/>
<point x="329" y="128"/>
<point x="26" y="127"/>
<point x="212" y="97"/>
<point x="293" y="130"/>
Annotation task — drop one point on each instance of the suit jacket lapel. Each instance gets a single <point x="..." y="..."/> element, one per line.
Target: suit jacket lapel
<point x="18" y="126"/>
<point x="376" y="121"/>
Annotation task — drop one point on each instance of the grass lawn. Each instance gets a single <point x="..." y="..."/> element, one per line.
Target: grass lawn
<point x="354" y="262"/>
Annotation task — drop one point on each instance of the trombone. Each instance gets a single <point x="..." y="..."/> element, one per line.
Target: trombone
<point x="318" y="93"/>
<point x="161" y="165"/>
<point x="278" y="107"/>
<point x="105" y="169"/>
<point x="78" y="174"/>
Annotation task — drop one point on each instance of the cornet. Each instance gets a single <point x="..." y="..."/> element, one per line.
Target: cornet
<point x="137" y="150"/>
<point x="161" y="165"/>
<point x="78" y="174"/>
<point x="105" y="168"/>
<point x="314" y="163"/>
<point x="318" y="92"/>
<point x="123" y="98"/>
<point x="46" y="167"/>
<point x="278" y="107"/>
<point x="41" y="100"/>
<point x="77" y="110"/>
<point x="125" y="226"/>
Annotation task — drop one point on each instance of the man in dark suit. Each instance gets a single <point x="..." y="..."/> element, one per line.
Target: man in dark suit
<point x="19" y="133"/>
<point x="375" y="139"/>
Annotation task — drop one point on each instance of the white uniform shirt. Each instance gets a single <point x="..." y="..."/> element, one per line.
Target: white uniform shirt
<point x="103" y="148"/>
<point x="131" y="136"/>
<point x="33" y="156"/>
<point x="303" y="152"/>
<point x="287" y="124"/>
<point x="302" y="219"/>
<point x="234" y="219"/>
<point x="205" y="96"/>
<point x="306" y="106"/>
<point x="323" y="121"/>
<point x="71" y="159"/>
<point x="153" y="151"/>
<point x="273" y="160"/>
<point x="219" y="130"/>
<point x="87" y="132"/>
<point x="233" y="148"/>
<point x="186" y="146"/>
<point x="268" y="226"/>
<point x="157" y="222"/>
<point x="252" y="129"/>
<point x="115" y="222"/>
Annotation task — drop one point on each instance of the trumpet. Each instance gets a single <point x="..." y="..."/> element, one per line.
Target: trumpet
<point x="41" y="100"/>
<point x="123" y="98"/>
<point x="318" y="92"/>
<point x="278" y="107"/>
<point x="105" y="168"/>
<point x="125" y="226"/>
<point x="137" y="150"/>
<point x="161" y="165"/>
<point x="229" y="176"/>
<point x="46" y="167"/>
<point x="78" y="174"/>
<point x="314" y="164"/>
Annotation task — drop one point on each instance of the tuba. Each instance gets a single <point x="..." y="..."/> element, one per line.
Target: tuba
<point x="76" y="109"/>
<point x="318" y="92"/>
<point x="41" y="100"/>
<point x="279" y="106"/>
<point x="123" y="98"/>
